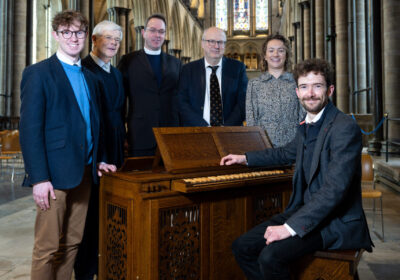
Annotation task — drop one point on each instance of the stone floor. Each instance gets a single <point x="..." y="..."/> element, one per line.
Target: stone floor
<point x="17" y="215"/>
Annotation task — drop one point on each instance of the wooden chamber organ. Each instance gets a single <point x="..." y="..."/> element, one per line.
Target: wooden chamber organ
<point x="175" y="215"/>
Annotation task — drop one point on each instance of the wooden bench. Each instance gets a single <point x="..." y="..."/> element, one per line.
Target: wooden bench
<point x="328" y="265"/>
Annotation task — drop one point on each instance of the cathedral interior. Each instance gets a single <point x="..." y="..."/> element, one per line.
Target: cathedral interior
<point x="357" y="36"/>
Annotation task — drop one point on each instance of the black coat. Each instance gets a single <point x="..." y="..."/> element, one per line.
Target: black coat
<point x="149" y="105"/>
<point x="112" y="108"/>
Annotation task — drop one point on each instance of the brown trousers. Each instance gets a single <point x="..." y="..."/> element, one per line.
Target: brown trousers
<point x="59" y="231"/>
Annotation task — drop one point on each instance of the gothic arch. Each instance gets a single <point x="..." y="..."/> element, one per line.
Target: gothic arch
<point x="187" y="42"/>
<point x="174" y="27"/>
<point x="140" y="12"/>
<point x="162" y="7"/>
<point x="232" y="47"/>
<point x="251" y="55"/>
<point x="100" y="11"/>
<point x="196" y="51"/>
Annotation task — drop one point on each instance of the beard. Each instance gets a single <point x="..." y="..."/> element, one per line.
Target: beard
<point x="316" y="107"/>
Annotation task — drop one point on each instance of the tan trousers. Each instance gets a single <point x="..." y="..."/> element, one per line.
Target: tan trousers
<point x="59" y="231"/>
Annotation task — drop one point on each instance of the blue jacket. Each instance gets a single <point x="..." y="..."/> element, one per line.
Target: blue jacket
<point x="192" y="91"/>
<point x="330" y="201"/>
<point x="52" y="128"/>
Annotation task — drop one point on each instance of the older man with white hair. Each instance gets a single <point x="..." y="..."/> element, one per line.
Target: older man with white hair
<point x="212" y="90"/>
<point x="106" y="38"/>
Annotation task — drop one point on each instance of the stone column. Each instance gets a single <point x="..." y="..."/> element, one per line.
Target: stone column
<point x="120" y="16"/>
<point x="306" y="30"/>
<point x="6" y="59"/>
<point x="295" y="47"/>
<point x="139" y="39"/>
<point x="300" y="55"/>
<point x="319" y="29"/>
<point x="185" y="59"/>
<point x="165" y="46"/>
<point x="391" y="57"/>
<point x="18" y="53"/>
<point x="176" y="53"/>
<point x="361" y="44"/>
<point x="3" y="56"/>
<point x="84" y="7"/>
<point x="342" y="72"/>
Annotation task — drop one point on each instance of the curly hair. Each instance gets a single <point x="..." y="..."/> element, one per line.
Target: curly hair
<point x="287" y="47"/>
<point x="315" y="65"/>
<point x="67" y="18"/>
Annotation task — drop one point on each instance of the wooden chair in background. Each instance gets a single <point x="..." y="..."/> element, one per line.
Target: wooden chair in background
<point x="11" y="151"/>
<point x="368" y="179"/>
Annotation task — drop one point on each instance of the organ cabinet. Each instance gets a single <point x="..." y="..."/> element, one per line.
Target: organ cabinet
<point x="175" y="215"/>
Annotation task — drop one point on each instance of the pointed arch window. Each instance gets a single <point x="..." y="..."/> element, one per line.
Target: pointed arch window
<point x="261" y="14"/>
<point x="241" y="15"/>
<point x="221" y="14"/>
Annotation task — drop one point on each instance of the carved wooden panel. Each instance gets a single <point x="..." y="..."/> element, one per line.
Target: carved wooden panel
<point x="179" y="243"/>
<point x="116" y="242"/>
<point x="266" y="206"/>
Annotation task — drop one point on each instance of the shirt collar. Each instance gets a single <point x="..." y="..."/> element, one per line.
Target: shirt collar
<point x="206" y="64"/>
<point x="151" y="52"/>
<point x="62" y="57"/>
<point x="105" y="66"/>
<point x="316" y="118"/>
<point x="285" y="76"/>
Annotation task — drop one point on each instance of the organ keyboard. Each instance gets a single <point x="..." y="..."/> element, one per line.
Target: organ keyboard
<point x="175" y="215"/>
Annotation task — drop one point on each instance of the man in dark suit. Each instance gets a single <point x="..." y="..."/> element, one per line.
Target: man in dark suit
<point x="106" y="37"/>
<point x="325" y="210"/>
<point x="150" y="80"/>
<point x="60" y="141"/>
<point x="197" y="88"/>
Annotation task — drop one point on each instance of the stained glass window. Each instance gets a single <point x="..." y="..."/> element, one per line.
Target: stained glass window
<point x="221" y="14"/>
<point x="241" y="14"/>
<point x="261" y="14"/>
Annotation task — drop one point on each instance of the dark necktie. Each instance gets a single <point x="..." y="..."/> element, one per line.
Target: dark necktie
<point x="215" y="99"/>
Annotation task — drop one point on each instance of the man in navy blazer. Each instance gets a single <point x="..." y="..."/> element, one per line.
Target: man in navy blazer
<point x="151" y="84"/>
<point x="325" y="209"/>
<point x="60" y="142"/>
<point x="194" y="85"/>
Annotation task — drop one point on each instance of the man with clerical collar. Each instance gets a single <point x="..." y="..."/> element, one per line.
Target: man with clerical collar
<point x="106" y="37"/>
<point x="212" y="90"/>
<point x="325" y="209"/>
<point x="62" y="144"/>
<point x="150" y="81"/>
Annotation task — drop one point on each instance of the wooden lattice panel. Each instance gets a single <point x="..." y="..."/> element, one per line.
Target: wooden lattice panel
<point x="179" y="243"/>
<point x="116" y="242"/>
<point x="267" y="206"/>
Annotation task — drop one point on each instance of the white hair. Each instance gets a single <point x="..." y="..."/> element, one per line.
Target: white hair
<point x="106" y="25"/>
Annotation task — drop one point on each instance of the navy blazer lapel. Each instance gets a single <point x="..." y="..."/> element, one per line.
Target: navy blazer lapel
<point x="325" y="127"/>
<point x="224" y="79"/>
<point x="93" y="98"/>
<point x="62" y="82"/>
<point x="202" y="76"/>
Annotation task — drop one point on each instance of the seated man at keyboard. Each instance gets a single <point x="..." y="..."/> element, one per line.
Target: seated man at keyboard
<point x="325" y="210"/>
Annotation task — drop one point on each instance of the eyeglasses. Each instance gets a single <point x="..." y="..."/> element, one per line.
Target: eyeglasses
<point x="67" y="34"/>
<point x="154" y="31"/>
<point x="213" y="42"/>
<point x="110" y="38"/>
